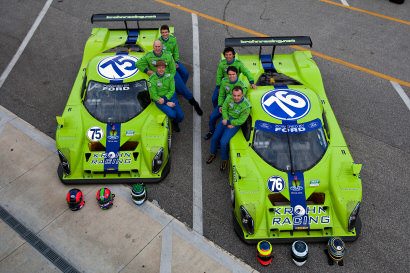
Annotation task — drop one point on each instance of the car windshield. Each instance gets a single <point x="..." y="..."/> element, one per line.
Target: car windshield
<point x="117" y="102"/>
<point x="292" y="147"/>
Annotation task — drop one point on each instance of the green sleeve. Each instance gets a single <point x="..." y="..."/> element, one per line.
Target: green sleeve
<point x="176" y="51"/>
<point x="242" y="117"/>
<point x="222" y="93"/>
<point x="219" y="73"/>
<point x="171" y="89"/>
<point x="225" y="109"/>
<point x="142" y="63"/>
<point x="153" y="91"/>
<point x="172" y="67"/>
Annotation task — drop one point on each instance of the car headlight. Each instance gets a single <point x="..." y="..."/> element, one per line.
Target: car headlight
<point x="158" y="160"/>
<point x="64" y="162"/>
<point x="353" y="216"/>
<point x="247" y="221"/>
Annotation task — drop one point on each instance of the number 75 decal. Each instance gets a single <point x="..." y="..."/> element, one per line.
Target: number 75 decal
<point x="95" y="133"/>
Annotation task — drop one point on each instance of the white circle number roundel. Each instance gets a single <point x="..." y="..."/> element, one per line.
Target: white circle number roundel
<point x="117" y="67"/>
<point x="95" y="133"/>
<point x="276" y="184"/>
<point x="285" y="104"/>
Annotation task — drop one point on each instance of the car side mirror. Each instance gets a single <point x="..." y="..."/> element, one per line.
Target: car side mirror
<point x="356" y="169"/>
<point x="60" y="121"/>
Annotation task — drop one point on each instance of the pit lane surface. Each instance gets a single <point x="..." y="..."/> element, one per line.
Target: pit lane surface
<point x="372" y="116"/>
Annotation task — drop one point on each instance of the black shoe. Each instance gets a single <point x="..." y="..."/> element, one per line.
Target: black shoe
<point x="208" y="135"/>
<point x="224" y="165"/>
<point x="197" y="108"/>
<point x="175" y="127"/>
<point x="210" y="159"/>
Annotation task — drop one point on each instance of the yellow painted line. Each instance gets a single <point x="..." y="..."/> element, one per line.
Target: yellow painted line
<point x="315" y="53"/>
<point x="367" y="12"/>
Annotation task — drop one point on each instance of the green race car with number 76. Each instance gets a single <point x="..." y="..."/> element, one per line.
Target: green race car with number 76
<point x="291" y="173"/>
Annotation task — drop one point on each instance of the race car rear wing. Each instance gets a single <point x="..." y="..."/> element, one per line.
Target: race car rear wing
<point x="267" y="60"/>
<point x="269" y="41"/>
<point x="125" y="17"/>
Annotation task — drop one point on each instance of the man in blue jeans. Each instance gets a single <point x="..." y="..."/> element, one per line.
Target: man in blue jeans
<point x="235" y="112"/>
<point x="162" y="92"/>
<point x="170" y="44"/>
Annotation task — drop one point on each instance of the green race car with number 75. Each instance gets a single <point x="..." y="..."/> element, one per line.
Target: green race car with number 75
<point x="110" y="131"/>
<point x="291" y="173"/>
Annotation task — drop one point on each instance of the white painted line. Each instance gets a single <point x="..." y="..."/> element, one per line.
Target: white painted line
<point x="166" y="251"/>
<point x="401" y="93"/>
<point x="344" y="2"/>
<point x="23" y="45"/>
<point x="196" y="134"/>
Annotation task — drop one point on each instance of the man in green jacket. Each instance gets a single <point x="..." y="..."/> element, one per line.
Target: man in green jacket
<point x="162" y="92"/>
<point x="227" y="85"/>
<point x="230" y="60"/>
<point x="235" y="111"/>
<point x="170" y="44"/>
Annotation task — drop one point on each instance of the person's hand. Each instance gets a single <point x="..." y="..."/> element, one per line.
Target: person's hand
<point x="253" y="86"/>
<point x="220" y="109"/>
<point x="230" y="126"/>
<point x="176" y="65"/>
<point x="224" y="122"/>
<point x="170" y="104"/>
<point x="149" y="73"/>
<point x="160" y="101"/>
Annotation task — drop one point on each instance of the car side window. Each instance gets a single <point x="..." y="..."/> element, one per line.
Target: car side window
<point x="247" y="128"/>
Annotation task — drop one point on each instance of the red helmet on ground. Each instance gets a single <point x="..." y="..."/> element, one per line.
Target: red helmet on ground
<point x="75" y="199"/>
<point x="105" y="198"/>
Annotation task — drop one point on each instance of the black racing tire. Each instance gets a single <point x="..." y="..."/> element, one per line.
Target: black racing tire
<point x="397" y="1"/>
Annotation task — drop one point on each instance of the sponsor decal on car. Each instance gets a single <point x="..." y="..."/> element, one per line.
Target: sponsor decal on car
<point x="111" y="158"/>
<point x="310" y="215"/>
<point x="95" y="133"/>
<point x="118" y="67"/>
<point x="276" y="184"/>
<point x="285" y="104"/>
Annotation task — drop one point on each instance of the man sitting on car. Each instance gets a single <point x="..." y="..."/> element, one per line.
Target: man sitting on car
<point x="235" y="111"/>
<point x="162" y="92"/>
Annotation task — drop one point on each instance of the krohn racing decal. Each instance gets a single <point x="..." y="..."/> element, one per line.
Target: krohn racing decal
<point x="118" y="158"/>
<point x="112" y="147"/>
<point x="117" y="67"/>
<point x="285" y="104"/>
<point x="288" y="128"/>
<point x="298" y="200"/>
<point x="314" y="215"/>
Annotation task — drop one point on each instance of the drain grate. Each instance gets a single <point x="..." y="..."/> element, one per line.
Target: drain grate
<point x="36" y="242"/>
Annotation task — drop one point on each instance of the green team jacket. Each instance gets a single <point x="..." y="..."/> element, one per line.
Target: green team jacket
<point x="149" y="61"/>
<point x="171" y="46"/>
<point x="223" y="66"/>
<point x="226" y="89"/>
<point x="161" y="86"/>
<point x="236" y="113"/>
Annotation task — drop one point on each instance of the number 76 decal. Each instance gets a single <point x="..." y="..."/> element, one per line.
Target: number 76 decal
<point x="285" y="104"/>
